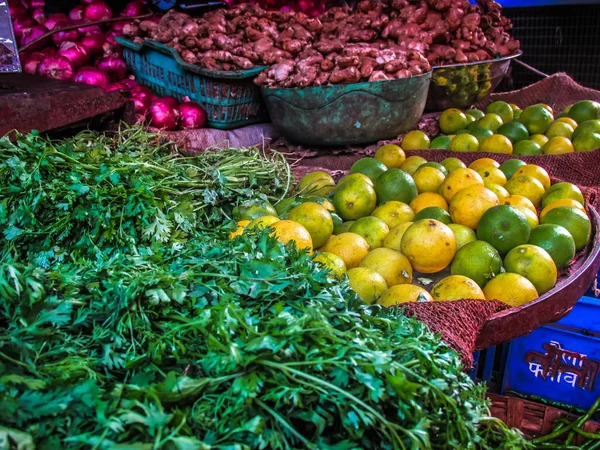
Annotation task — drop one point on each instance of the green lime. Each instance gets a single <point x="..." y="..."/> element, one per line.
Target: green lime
<point x="515" y="131"/>
<point x="510" y="166"/>
<point x="395" y="184"/>
<point x="585" y="110"/>
<point x="441" y="142"/>
<point x="437" y="166"/>
<point x="476" y="113"/>
<point x="561" y="191"/>
<point x="453" y="163"/>
<point x="589" y="126"/>
<point x="286" y="205"/>
<point x="533" y="263"/>
<point x="463" y="235"/>
<point x="557" y="241"/>
<point x="481" y="133"/>
<point x="343" y="227"/>
<point x="536" y="119"/>
<point x="470" y="119"/>
<point x="490" y="122"/>
<point x="560" y="129"/>
<point x="370" y="167"/>
<point x="415" y="140"/>
<point x="505" y="227"/>
<point x="478" y="261"/>
<point x="517" y="114"/>
<point x="434" y="212"/>
<point x="464" y="143"/>
<point x="253" y="209"/>
<point x="503" y="109"/>
<point x="372" y="229"/>
<point x="462" y="131"/>
<point x="587" y="142"/>
<point x="574" y="220"/>
<point x="527" y="148"/>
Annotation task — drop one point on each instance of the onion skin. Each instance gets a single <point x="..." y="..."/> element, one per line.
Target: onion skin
<point x="63" y="36"/>
<point x="97" y="11"/>
<point x="57" y="67"/>
<point x="169" y="100"/>
<point x="30" y="61"/>
<point x="92" y="76"/>
<point x="193" y="116"/>
<point x="76" y="13"/>
<point x="54" y="19"/>
<point x="78" y="54"/>
<point x="33" y="33"/>
<point x="134" y="8"/>
<point x="163" y="116"/>
<point x="113" y="66"/>
<point x="94" y="43"/>
<point x="22" y="23"/>
<point x="38" y="15"/>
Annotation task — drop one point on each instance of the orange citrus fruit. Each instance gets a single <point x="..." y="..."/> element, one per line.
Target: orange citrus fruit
<point x="403" y="293"/>
<point x="333" y="263"/>
<point x="537" y="172"/>
<point x="526" y="186"/>
<point x="316" y="219"/>
<point x="558" y="146"/>
<point x="286" y="231"/>
<point x="415" y="140"/>
<point x="563" y="202"/>
<point x="510" y="288"/>
<point x="354" y="199"/>
<point x="391" y="155"/>
<point x="456" y="287"/>
<point x="412" y="163"/>
<point x="429" y="245"/>
<point x="241" y="226"/>
<point x="374" y="230"/>
<point x="469" y="204"/>
<point x="317" y="184"/>
<point x="457" y="180"/>
<point x="427" y="199"/>
<point x="392" y="265"/>
<point x="483" y="163"/>
<point x="351" y="247"/>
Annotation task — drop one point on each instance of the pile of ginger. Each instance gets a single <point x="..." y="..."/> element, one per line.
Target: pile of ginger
<point x="380" y="40"/>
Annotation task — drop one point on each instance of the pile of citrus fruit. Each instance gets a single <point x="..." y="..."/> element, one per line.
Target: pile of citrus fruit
<point x="505" y="128"/>
<point x="499" y="232"/>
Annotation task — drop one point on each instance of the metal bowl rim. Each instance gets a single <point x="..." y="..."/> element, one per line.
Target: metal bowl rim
<point x="475" y="63"/>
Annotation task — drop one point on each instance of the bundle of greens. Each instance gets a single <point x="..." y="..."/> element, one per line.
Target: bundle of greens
<point x="223" y="344"/>
<point x="86" y="196"/>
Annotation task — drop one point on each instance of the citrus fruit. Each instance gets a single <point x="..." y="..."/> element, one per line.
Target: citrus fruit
<point x="492" y="175"/>
<point x="496" y="143"/>
<point x="519" y="201"/>
<point x="429" y="245"/>
<point x="355" y="199"/>
<point x="476" y="113"/>
<point x="536" y="119"/>
<point x="343" y="227"/>
<point x="532" y="217"/>
<point x="478" y="261"/>
<point x="563" y="202"/>
<point x="434" y="212"/>
<point x="527" y="187"/>
<point x="560" y="129"/>
<point x="539" y="139"/>
<point x="367" y="284"/>
<point x="428" y="179"/>
<point x="535" y="171"/>
<point x="515" y="131"/>
<point x="469" y="204"/>
<point x="569" y="121"/>
<point x="548" y="107"/>
<point x="369" y="167"/>
<point x="441" y="142"/>
<point x="557" y="241"/>
<point x="262" y="222"/>
<point x="503" y="109"/>
<point x="586" y="142"/>
<point x="481" y="133"/>
<point x="286" y="231"/>
<point x="576" y="222"/>
<point x="355" y="177"/>
<point x="435" y="165"/>
<point x="351" y="247"/>
<point x="464" y="143"/>
<point x="456" y="287"/>
<point x="394" y="238"/>
<point x="284" y="206"/>
<point x="535" y="264"/>
<point x="395" y="184"/>
<point x="412" y="163"/>
<point x="394" y="213"/>
<point x="316" y="184"/>
<point x="252" y="209"/>
<point x="326" y="204"/>
<point x="241" y="226"/>
<point x="527" y="148"/>
<point x="331" y="262"/>
<point x="391" y="155"/>
<point x="458" y="180"/>
<point x="415" y="140"/>
<point x="316" y="219"/>
<point x="500" y="192"/>
<point x="453" y="163"/>
<point x="510" y="288"/>
<point x="337" y="223"/>
<point x="403" y="293"/>
<point x="505" y="227"/>
<point x="452" y="120"/>
<point x="374" y="230"/>
<point x="562" y="190"/>
<point x="462" y="234"/>
<point x="427" y="199"/>
<point x="483" y="163"/>
<point x="589" y="126"/>
<point x="392" y="265"/>
<point x="558" y="146"/>
<point x="585" y="110"/>
<point x="510" y="166"/>
<point x="490" y="122"/>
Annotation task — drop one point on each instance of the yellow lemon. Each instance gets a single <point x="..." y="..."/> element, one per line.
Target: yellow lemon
<point x="469" y="204"/>
<point x="537" y="172"/>
<point x="403" y="293"/>
<point x="351" y="247"/>
<point x="510" y="288"/>
<point x="456" y="287"/>
<point x="391" y="155"/>
<point x="492" y="175"/>
<point x="428" y="179"/>
<point x="393" y="213"/>
<point x="457" y="180"/>
<point x="482" y="163"/>
<point x="427" y="199"/>
<point x="393" y="239"/>
<point x="367" y="283"/>
<point x="527" y="187"/>
<point x="392" y="265"/>
<point x="429" y="245"/>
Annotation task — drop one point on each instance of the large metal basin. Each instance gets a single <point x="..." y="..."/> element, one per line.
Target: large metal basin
<point x="348" y="114"/>
<point x="463" y="85"/>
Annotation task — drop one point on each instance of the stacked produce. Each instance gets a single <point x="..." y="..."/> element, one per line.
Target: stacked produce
<point x="379" y="41"/>
<point x="127" y="320"/>
<point x="505" y="128"/>
<point x="503" y="231"/>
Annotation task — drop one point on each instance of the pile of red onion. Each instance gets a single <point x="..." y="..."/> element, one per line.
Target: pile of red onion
<point x="90" y="55"/>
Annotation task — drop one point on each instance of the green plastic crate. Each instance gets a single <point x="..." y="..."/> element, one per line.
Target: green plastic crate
<point x="230" y="98"/>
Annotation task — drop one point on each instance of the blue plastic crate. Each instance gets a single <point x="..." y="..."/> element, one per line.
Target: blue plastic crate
<point x="230" y="98"/>
<point x="559" y="362"/>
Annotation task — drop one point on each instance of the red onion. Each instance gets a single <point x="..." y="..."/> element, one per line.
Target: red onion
<point x="33" y="4"/>
<point x="86" y="2"/>
<point x="30" y="61"/>
<point x="92" y="76"/>
<point x="33" y="33"/>
<point x="62" y="36"/>
<point x="76" y="13"/>
<point x="118" y="86"/>
<point x="57" y="67"/>
<point x="110" y="36"/>
<point x="97" y="11"/>
<point x="22" y="23"/>
<point x="142" y="99"/>
<point x="16" y="10"/>
<point x="169" y="100"/>
<point x="130" y="83"/>
<point x="87" y="29"/>
<point x="119" y="26"/>
<point x="49" y="51"/>
<point x="135" y="8"/>
<point x="113" y="66"/>
<point x="78" y="54"/>
<point x="54" y="19"/>
<point x="94" y="43"/>
<point x="163" y="116"/>
<point x="192" y="116"/>
<point x="38" y="15"/>
<point x="111" y="49"/>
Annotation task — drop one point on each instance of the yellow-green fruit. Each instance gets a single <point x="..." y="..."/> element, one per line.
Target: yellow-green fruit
<point x="316" y="219"/>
